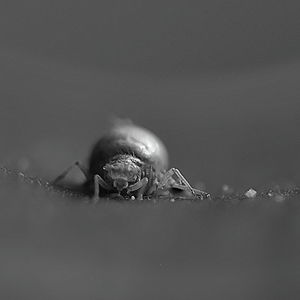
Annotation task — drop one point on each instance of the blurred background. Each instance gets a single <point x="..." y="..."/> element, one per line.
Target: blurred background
<point x="217" y="81"/>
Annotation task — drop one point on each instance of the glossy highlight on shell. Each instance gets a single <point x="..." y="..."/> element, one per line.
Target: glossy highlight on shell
<point x="132" y="140"/>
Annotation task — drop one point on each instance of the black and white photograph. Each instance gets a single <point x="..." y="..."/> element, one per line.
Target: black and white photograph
<point x="149" y="150"/>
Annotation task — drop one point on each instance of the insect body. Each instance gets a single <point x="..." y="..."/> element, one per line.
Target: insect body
<point x="130" y="161"/>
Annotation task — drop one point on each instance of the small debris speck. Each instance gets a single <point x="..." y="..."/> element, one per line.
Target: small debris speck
<point x="251" y="193"/>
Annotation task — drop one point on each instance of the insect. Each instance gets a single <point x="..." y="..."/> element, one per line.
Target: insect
<point x="131" y="162"/>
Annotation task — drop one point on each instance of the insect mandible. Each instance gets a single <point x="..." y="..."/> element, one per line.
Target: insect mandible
<point x="131" y="162"/>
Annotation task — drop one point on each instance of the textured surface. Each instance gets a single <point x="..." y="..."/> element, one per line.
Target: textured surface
<point x="58" y="246"/>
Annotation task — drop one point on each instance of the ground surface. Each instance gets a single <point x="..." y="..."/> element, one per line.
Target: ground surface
<point x="56" y="245"/>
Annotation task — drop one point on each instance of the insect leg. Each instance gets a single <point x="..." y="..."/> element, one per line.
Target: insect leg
<point x="67" y="170"/>
<point x="182" y="185"/>
<point x="138" y="185"/>
<point x="153" y="188"/>
<point x="141" y="191"/>
<point x="197" y="192"/>
<point x="99" y="181"/>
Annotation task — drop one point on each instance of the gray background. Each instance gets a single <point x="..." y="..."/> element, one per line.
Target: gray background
<point x="218" y="81"/>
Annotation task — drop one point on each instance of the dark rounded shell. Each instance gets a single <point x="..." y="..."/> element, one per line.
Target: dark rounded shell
<point x="128" y="139"/>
